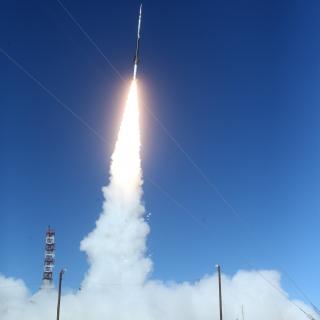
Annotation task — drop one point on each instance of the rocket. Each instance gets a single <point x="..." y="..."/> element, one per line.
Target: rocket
<point x="136" y="59"/>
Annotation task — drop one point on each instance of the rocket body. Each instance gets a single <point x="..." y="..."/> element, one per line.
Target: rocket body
<point x="136" y="59"/>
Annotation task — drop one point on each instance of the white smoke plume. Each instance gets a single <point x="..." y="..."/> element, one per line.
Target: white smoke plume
<point x="118" y="285"/>
<point x="116" y="247"/>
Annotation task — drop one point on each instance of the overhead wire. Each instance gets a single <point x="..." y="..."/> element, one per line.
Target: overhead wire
<point x="89" y="127"/>
<point x="51" y="94"/>
<point x="179" y="147"/>
<point x="302" y="292"/>
<point x="178" y="204"/>
<point x="90" y="39"/>
<point x="285" y="296"/>
<point x="160" y="123"/>
<point x="165" y="130"/>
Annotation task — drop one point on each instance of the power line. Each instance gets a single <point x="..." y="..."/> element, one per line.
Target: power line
<point x="157" y="120"/>
<point x="298" y="288"/>
<point x="192" y="162"/>
<point x="171" y="137"/>
<point x="90" y="39"/>
<point x="285" y="296"/>
<point x="178" y="204"/>
<point x="90" y="128"/>
<point x="160" y="123"/>
<point x="51" y="94"/>
<point x="178" y="145"/>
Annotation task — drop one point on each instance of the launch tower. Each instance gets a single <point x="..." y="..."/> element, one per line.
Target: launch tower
<point x="49" y="258"/>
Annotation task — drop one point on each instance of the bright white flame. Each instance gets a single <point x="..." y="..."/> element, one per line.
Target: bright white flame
<point x="126" y="163"/>
<point x="116" y="247"/>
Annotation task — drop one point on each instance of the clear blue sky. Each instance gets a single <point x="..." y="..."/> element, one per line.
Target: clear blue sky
<point x="235" y="82"/>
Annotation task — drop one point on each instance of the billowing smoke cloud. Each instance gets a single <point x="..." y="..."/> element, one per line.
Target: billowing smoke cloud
<point x="118" y="284"/>
<point x="116" y="248"/>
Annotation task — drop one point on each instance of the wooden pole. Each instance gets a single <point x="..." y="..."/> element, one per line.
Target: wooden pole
<point x="59" y="293"/>
<point x="220" y="294"/>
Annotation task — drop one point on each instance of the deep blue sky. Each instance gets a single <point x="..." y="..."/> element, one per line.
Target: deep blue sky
<point x="235" y="82"/>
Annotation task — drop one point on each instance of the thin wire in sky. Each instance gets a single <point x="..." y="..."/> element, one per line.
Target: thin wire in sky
<point x="285" y="296"/>
<point x="51" y="94"/>
<point x="166" y="131"/>
<point x="90" y="39"/>
<point x="178" y="204"/>
<point x="160" y="123"/>
<point x="198" y="169"/>
<point x="85" y="124"/>
<point x="96" y="133"/>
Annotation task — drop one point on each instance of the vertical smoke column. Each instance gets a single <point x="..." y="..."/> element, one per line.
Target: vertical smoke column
<point x="116" y="247"/>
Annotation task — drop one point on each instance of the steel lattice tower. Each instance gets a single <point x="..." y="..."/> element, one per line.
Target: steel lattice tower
<point x="49" y="258"/>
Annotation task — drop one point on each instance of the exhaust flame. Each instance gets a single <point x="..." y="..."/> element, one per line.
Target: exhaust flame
<point x="126" y="162"/>
<point x="116" y="248"/>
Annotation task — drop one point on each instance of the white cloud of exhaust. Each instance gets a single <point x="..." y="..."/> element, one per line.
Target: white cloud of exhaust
<point x="118" y="285"/>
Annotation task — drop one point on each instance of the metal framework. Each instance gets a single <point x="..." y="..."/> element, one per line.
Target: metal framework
<point x="49" y="257"/>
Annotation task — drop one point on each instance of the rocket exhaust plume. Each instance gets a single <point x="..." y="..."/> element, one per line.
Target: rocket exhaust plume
<point x="126" y="162"/>
<point x="121" y="230"/>
<point x="117" y="286"/>
<point x="120" y="235"/>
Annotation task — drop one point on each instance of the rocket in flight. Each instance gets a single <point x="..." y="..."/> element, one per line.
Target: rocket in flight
<point x="136" y="59"/>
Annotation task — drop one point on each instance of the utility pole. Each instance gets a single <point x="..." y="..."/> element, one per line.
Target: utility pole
<point x="220" y="295"/>
<point x="59" y="292"/>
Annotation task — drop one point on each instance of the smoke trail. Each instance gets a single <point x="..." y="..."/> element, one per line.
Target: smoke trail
<point x="116" y="248"/>
<point x="116" y="285"/>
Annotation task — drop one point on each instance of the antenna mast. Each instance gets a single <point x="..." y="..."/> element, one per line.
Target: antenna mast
<point x="49" y="258"/>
